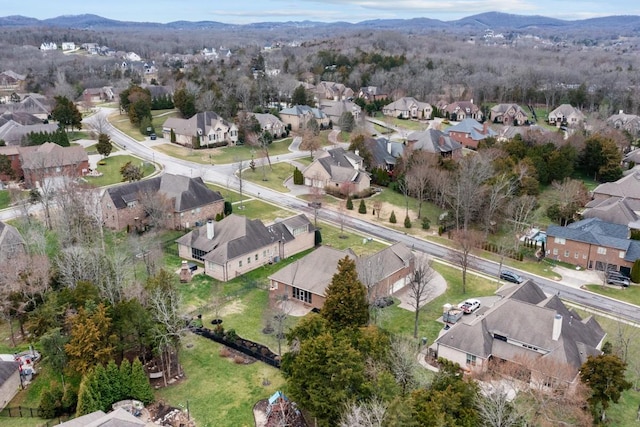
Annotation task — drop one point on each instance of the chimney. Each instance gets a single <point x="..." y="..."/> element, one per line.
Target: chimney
<point x="185" y="273"/>
<point x="210" y="231"/>
<point x="621" y="112"/>
<point x="471" y="100"/>
<point x="357" y="152"/>
<point x="557" y="327"/>
<point x="388" y="146"/>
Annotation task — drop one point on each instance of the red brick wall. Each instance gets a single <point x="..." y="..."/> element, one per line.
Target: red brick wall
<point x="584" y="255"/>
<point x="31" y="176"/>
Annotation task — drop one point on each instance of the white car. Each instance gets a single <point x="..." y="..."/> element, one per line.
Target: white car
<point x="469" y="306"/>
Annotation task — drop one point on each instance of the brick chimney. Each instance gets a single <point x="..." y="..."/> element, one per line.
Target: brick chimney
<point x="210" y="230"/>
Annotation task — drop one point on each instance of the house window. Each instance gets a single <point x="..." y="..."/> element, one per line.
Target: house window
<point x="198" y="254"/>
<point x="256" y="257"/>
<point x="566" y="254"/>
<point x="555" y="251"/>
<point x="621" y="254"/>
<point x="559" y="240"/>
<point x="248" y="260"/>
<point x="274" y="285"/>
<point x="471" y="359"/>
<point x="131" y="204"/>
<point x="576" y="255"/>
<point x="302" y="295"/>
<point x="264" y="254"/>
<point x="584" y="256"/>
<point x="602" y="251"/>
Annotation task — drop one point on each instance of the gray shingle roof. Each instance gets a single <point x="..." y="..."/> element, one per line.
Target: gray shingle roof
<point x="186" y="193"/>
<point x="433" y="141"/>
<point x="525" y="328"/>
<point x="473" y="128"/>
<point x="7" y="369"/>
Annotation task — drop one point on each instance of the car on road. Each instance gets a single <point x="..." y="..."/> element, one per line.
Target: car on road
<point x="469" y="306"/>
<point x="616" y="278"/>
<point x="510" y="276"/>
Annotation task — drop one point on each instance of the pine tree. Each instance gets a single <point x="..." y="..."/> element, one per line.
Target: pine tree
<point x="125" y="374"/>
<point x="140" y="387"/>
<point x="392" y="218"/>
<point x="88" y="398"/>
<point x="349" y="203"/>
<point x="346" y="302"/>
<point x="635" y="272"/>
<point x="407" y="222"/>
<point x="104" y="145"/>
<point x="362" y="208"/>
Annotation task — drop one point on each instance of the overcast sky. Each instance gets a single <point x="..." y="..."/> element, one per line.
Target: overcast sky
<point x="245" y="11"/>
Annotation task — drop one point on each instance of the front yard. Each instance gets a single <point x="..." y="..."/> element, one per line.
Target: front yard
<point x="5" y="199"/>
<point x="111" y="170"/>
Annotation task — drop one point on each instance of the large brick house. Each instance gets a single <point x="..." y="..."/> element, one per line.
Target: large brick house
<point x="340" y="170"/>
<point x="203" y="129"/>
<point x="469" y="132"/>
<point x="593" y="244"/>
<point x="188" y="202"/>
<point x="236" y="245"/>
<point x="298" y="116"/>
<point x="408" y="108"/>
<point x="508" y="114"/>
<point x="306" y="280"/>
<point x="48" y="163"/>
<point x="524" y="325"/>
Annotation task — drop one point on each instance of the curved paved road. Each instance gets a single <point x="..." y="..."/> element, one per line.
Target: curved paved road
<point x="225" y="175"/>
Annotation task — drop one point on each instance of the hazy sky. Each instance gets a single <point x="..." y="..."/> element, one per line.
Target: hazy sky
<point x="244" y="11"/>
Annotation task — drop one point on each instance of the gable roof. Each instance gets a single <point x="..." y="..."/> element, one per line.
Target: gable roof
<point x="406" y="104"/>
<point x="565" y="110"/>
<point x="433" y="141"/>
<point x="313" y="272"/>
<point x="7" y="369"/>
<point x="186" y="193"/>
<point x="237" y="235"/>
<point x="336" y="108"/>
<point x="595" y="231"/>
<point x="473" y="128"/>
<point x="50" y="155"/>
<point x="387" y="261"/>
<point x="303" y="110"/>
<point x="341" y="165"/>
<point x="117" y="418"/>
<point x="199" y="124"/>
<point x="268" y="120"/>
<point x="9" y="236"/>
<point x="628" y="186"/>
<point x="384" y="151"/>
<point x="613" y="209"/>
<point x="467" y="106"/>
<point x="521" y="324"/>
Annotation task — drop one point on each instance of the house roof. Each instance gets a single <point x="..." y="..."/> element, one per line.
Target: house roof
<point x="521" y="323"/>
<point x="186" y="193"/>
<point x="313" y="272"/>
<point x="623" y="118"/>
<point x="336" y="108"/>
<point x="12" y="132"/>
<point x="117" y="418"/>
<point x="384" y="151"/>
<point x="467" y="106"/>
<point x="613" y="209"/>
<point x="50" y="155"/>
<point x="566" y="110"/>
<point x="9" y="236"/>
<point x="433" y="141"/>
<point x="20" y="118"/>
<point x="199" y="124"/>
<point x="268" y="120"/>
<point x="473" y="128"/>
<point x="341" y="165"/>
<point x="595" y="231"/>
<point x="302" y="110"/>
<point x="237" y="235"/>
<point x="386" y="261"/>
<point x="628" y="186"/>
<point x="407" y="103"/>
<point x="503" y="108"/>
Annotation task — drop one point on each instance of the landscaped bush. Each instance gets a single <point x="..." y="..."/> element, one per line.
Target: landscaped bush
<point x="298" y="178"/>
<point x="407" y="222"/>
<point x="102" y="163"/>
<point x="349" y="203"/>
<point x="426" y="224"/>
<point x="392" y="218"/>
<point x="224" y="352"/>
<point x="362" y="208"/>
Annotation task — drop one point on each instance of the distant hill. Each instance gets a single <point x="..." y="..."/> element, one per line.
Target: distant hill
<point x="494" y="20"/>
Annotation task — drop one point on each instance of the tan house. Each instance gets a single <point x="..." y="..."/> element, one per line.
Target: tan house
<point x="306" y="280"/>
<point x="236" y="245"/>
<point x="508" y="114"/>
<point x="188" y="202"/>
<point x="272" y="124"/>
<point x="9" y="381"/>
<point x="299" y="115"/>
<point x="333" y="91"/>
<point x="460" y="110"/>
<point x="523" y="325"/>
<point x="49" y="164"/>
<point x="593" y="244"/>
<point x="12" y="244"/>
<point x="117" y="418"/>
<point x="372" y="93"/>
<point x="435" y="142"/>
<point x="202" y="130"/>
<point x="338" y="169"/>
<point x="12" y="81"/>
<point x="628" y="122"/>
<point x="408" y="108"/>
<point x="566" y="115"/>
<point x="335" y="109"/>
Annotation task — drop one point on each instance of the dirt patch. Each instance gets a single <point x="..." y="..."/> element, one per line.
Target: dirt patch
<point x="235" y="307"/>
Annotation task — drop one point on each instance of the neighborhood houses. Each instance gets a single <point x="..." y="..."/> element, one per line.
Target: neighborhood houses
<point x="418" y="224"/>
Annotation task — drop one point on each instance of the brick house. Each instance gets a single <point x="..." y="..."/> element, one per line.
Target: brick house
<point x="435" y="142"/>
<point x="188" y="202"/>
<point x="272" y="124"/>
<point x="337" y="170"/>
<point x="593" y="244"/>
<point x="13" y="154"/>
<point x="298" y="116"/>
<point x="460" y="110"/>
<point x="307" y="279"/>
<point x="408" y="108"/>
<point x="50" y="162"/>
<point x="205" y="129"/>
<point x="469" y="132"/>
<point x="508" y="114"/>
<point x="523" y="325"/>
<point x="567" y="115"/>
<point x="236" y="245"/>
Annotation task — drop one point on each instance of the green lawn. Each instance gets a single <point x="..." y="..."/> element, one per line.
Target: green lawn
<point x="158" y="117"/>
<point x="271" y="177"/>
<point x="5" y="199"/>
<point x="404" y="124"/>
<point x="218" y="391"/>
<point x="111" y="171"/>
<point x="630" y="294"/>
<point x="76" y="135"/>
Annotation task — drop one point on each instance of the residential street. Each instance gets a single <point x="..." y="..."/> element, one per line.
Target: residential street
<point x="225" y="175"/>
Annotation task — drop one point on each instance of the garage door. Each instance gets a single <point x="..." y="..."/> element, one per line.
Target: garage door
<point x="398" y="285"/>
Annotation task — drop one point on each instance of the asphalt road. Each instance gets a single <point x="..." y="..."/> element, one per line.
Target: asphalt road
<point x="225" y="175"/>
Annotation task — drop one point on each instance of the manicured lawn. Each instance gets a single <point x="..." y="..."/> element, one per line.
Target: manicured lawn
<point x="76" y="135"/>
<point x="403" y="124"/>
<point x="161" y="116"/>
<point x="630" y="294"/>
<point x="158" y="117"/>
<point x="254" y="208"/>
<point x="400" y="321"/>
<point x="224" y="155"/>
<point x="5" y="199"/>
<point x="271" y="177"/>
<point x="111" y="171"/>
<point x="218" y="391"/>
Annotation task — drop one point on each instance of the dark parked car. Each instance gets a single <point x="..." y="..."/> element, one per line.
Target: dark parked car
<point x="510" y="276"/>
<point x="153" y="136"/>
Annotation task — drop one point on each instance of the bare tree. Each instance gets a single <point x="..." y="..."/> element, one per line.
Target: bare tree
<point x="495" y="408"/>
<point x="404" y="365"/>
<point x="500" y="191"/>
<point x="466" y="241"/>
<point x="468" y="189"/>
<point x="155" y="207"/>
<point x="420" y="287"/>
<point x="370" y="273"/>
<point x="417" y="176"/>
<point x="520" y="212"/>
<point x="364" y="414"/>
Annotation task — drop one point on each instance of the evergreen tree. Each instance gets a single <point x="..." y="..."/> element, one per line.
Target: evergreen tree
<point x="140" y="388"/>
<point x="362" y="208"/>
<point x="125" y="375"/>
<point x="88" y="397"/>
<point x="104" y="145"/>
<point x="407" y="222"/>
<point x="131" y="172"/>
<point x="346" y="305"/>
<point x="346" y="121"/>
<point x="66" y="114"/>
<point x="90" y="341"/>
<point x="392" y="218"/>
<point x="635" y="271"/>
<point x="300" y="96"/>
<point x="605" y="376"/>
<point x="349" y="203"/>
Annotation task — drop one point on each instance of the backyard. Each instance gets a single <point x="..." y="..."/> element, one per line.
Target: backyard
<point x="111" y="170"/>
<point x="5" y="199"/>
